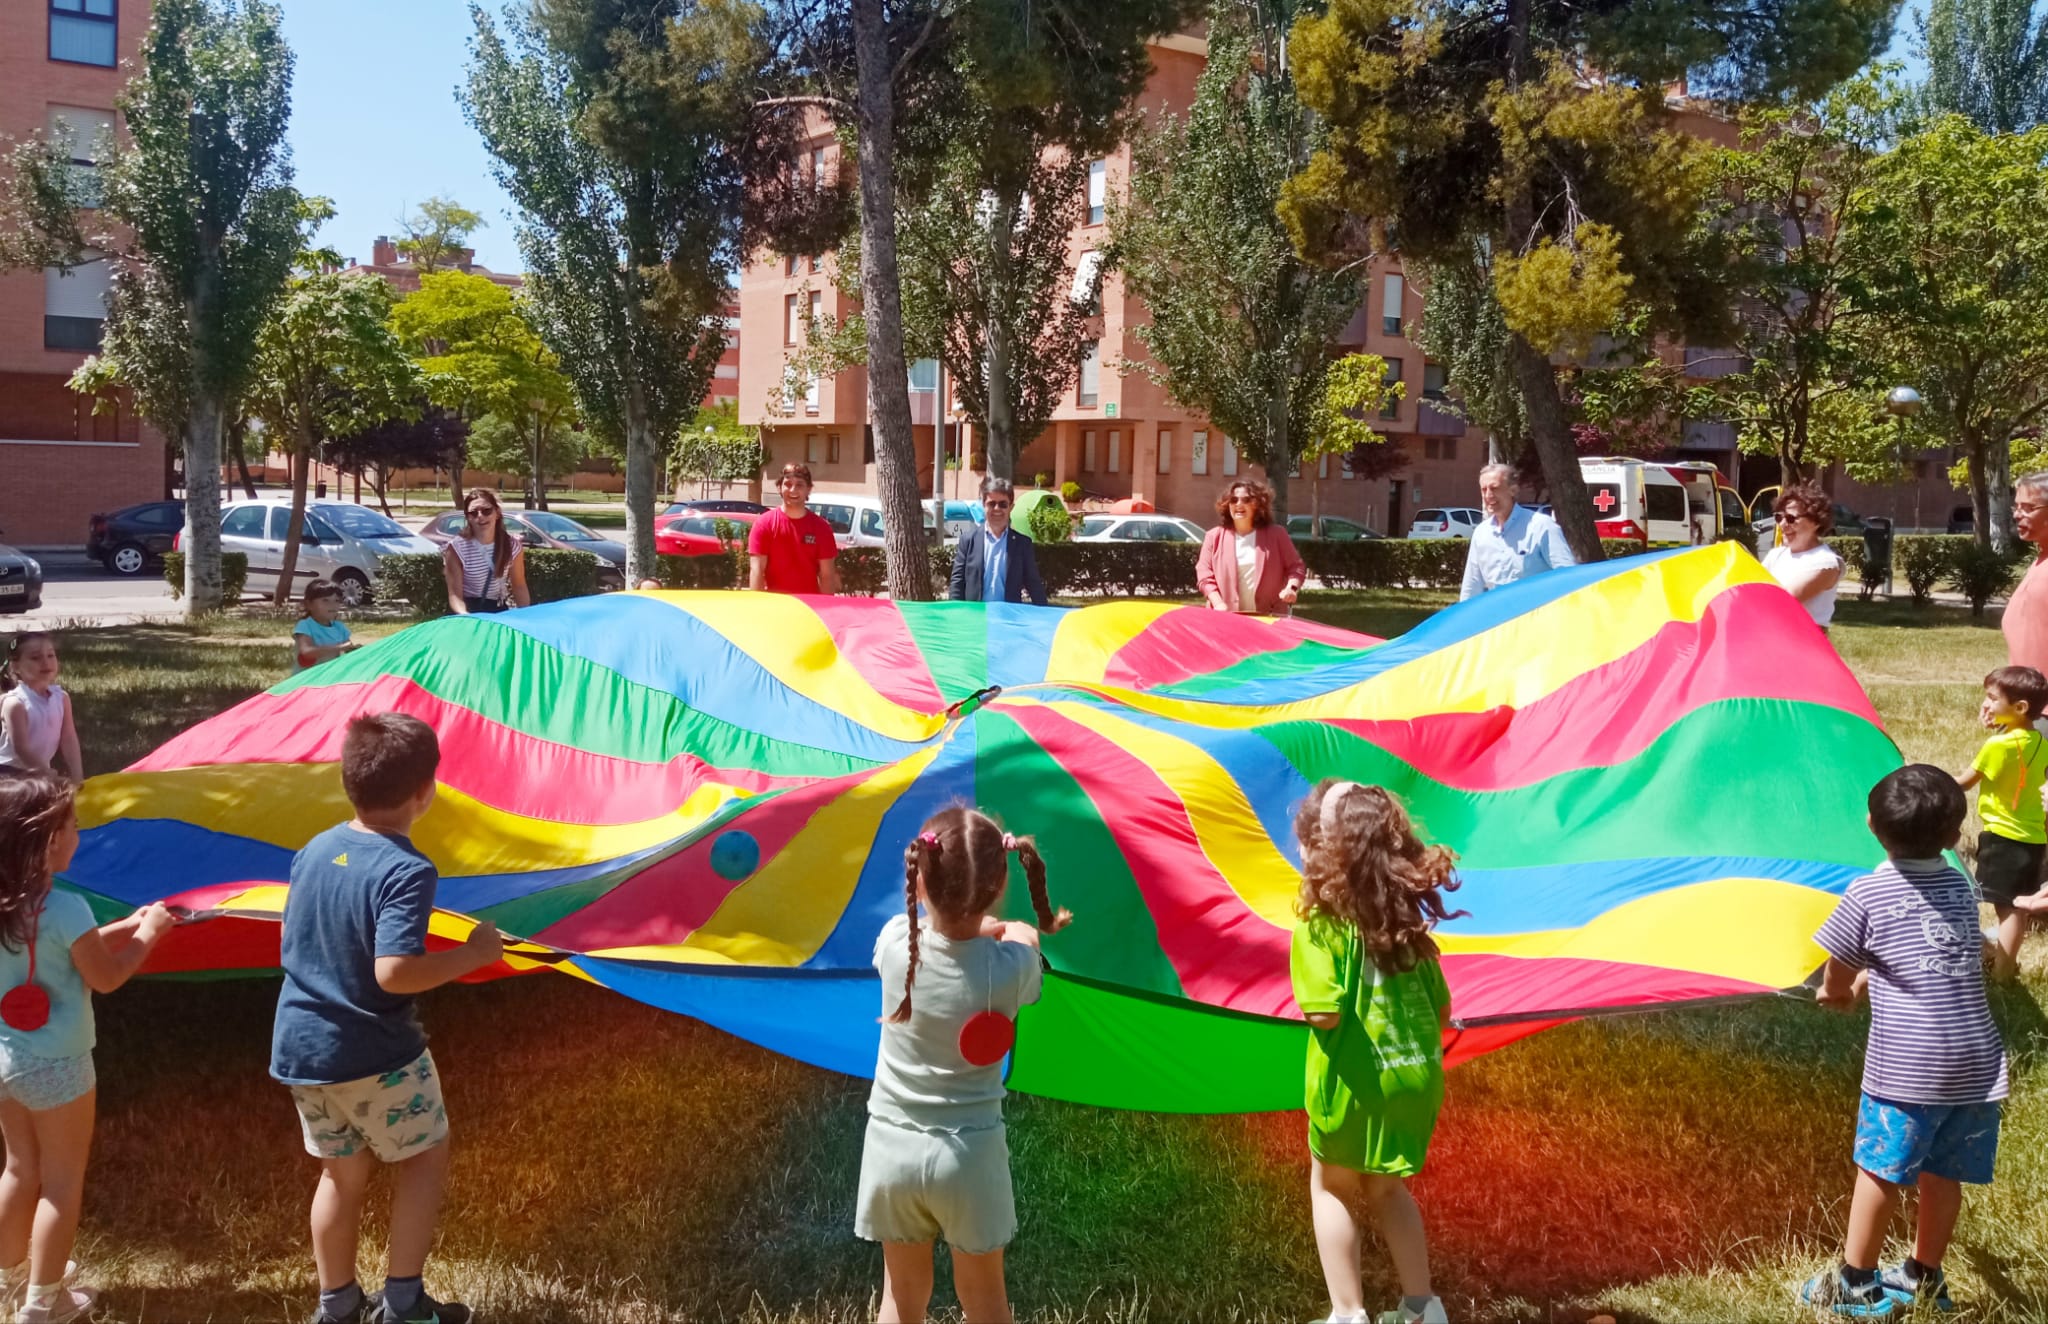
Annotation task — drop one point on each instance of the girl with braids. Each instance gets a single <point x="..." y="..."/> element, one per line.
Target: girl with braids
<point x="936" y="1162"/>
<point x="1367" y="981"/>
<point x="50" y="955"/>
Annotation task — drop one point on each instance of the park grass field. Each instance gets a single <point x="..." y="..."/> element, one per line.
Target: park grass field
<point x="620" y="1165"/>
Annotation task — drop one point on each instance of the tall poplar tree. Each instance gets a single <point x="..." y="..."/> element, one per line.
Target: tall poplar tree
<point x="1987" y="60"/>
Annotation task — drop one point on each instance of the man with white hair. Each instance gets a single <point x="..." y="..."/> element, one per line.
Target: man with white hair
<point x="1512" y="542"/>
<point x="2026" y="613"/>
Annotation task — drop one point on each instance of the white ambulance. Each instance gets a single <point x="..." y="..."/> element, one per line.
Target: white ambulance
<point x="1682" y="501"/>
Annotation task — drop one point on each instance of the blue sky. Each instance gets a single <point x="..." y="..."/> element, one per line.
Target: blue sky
<point x="376" y="127"/>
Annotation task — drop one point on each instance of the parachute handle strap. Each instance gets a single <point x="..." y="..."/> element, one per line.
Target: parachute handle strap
<point x="978" y="699"/>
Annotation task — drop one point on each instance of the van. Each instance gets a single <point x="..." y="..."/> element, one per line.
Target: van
<point x="1683" y="501"/>
<point x="857" y="520"/>
<point x="341" y="541"/>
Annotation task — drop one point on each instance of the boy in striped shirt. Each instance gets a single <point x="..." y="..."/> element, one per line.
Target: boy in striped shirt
<point x="1934" y="1069"/>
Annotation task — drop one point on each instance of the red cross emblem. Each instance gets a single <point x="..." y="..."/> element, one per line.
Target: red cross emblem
<point x="1604" y="501"/>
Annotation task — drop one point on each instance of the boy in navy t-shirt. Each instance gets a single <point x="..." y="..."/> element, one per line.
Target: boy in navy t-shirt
<point x="347" y="1041"/>
<point x="1934" y="1069"/>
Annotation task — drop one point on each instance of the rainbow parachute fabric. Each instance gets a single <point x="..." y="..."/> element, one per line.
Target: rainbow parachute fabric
<point x="701" y="800"/>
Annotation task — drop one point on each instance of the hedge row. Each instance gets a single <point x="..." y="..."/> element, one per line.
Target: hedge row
<point x="1927" y="561"/>
<point x="234" y="575"/>
<point x="551" y="575"/>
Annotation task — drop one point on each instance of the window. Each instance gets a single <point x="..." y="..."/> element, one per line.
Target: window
<point x="1229" y="458"/>
<point x="817" y="308"/>
<point x="1664" y="503"/>
<point x="813" y="448"/>
<point x="1323" y="467"/>
<point x="1166" y="452"/>
<point x="280" y="520"/>
<point x="1390" y="305"/>
<point x="924" y="375"/>
<point x="1091" y="373"/>
<point x="792" y="319"/>
<point x="1198" y="453"/>
<point x="811" y="396"/>
<point x="243" y="522"/>
<point x="77" y="131"/>
<point x="789" y="265"/>
<point x="1294" y="467"/>
<point x="75" y="305"/>
<point x="1432" y="381"/>
<point x="1087" y="452"/>
<point x="1116" y="452"/>
<point x="1344" y="466"/>
<point x="871" y="523"/>
<point x="817" y="263"/>
<point x="839" y="517"/>
<point x="832" y="448"/>
<point x="1098" y="190"/>
<point x="1440" y="448"/>
<point x="82" y="32"/>
<point x="1087" y="288"/>
<point x="1392" y="409"/>
<point x="817" y="175"/>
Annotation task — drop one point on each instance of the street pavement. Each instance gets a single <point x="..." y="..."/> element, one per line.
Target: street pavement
<point x="79" y="592"/>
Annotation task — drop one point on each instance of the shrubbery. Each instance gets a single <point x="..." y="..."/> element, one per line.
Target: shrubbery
<point x="551" y="575"/>
<point x="234" y="575"/>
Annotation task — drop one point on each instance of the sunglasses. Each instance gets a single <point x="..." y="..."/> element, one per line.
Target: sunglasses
<point x="1243" y="501"/>
<point x="480" y="512"/>
<point x="1792" y="517"/>
<point x="995" y="505"/>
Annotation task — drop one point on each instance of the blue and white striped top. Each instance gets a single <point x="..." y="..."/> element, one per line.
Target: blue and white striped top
<point x="478" y="560"/>
<point x="1913" y="925"/>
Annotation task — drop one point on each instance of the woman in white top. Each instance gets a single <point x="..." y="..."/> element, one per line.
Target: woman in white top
<point x="1807" y="567"/>
<point x="484" y="565"/>
<point x="35" y="712"/>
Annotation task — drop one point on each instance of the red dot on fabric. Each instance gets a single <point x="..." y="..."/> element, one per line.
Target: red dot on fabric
<point x="986" y="1037"/>
<point x="26" y="1007"/>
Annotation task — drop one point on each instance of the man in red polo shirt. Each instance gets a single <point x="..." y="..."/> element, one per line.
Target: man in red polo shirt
<point x="792" y="550"/>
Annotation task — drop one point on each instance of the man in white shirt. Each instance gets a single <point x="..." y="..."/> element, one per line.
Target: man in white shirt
<point x="1512" y="542"/>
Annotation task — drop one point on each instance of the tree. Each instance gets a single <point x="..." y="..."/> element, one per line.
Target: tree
<point x="326" y="366"/>
<point x="1987" y="60"/>
<point x="1793" y="196"/>
<point x="483" y="358"/>
<point x="1452" y="123"/>
<point x="1464" y="330"/>
<point x="1242" y="328"/>
<point x="432" y="440"/>
<point x="621" y="129"/>
<point x="436" y="233"/>
<point x="715" y="447"/>
<point x="1957" y="253"/>
<point x="198" y="218"/>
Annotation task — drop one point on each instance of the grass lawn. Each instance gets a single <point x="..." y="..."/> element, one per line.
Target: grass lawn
<point x="619" y="1164"/>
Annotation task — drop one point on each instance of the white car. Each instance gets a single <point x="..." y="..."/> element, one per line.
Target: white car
<point x="1446" y="522"/>
<point x="1139" y="528"/>
<point x="857" y="520"/>
<point x="341" y="541"/>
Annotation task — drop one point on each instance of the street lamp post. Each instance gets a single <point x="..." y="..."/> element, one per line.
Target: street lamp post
<point x="1902" y="403"/>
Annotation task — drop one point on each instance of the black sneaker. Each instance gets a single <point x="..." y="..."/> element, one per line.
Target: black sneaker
<point x="365" y="1313"/>
<point x="1929" y="1289"/>
<point x="426" y="1311"/>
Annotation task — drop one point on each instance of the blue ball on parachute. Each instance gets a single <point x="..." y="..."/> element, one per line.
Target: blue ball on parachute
<point x="735" y="855"/>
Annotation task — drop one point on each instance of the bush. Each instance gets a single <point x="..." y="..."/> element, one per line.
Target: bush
<point x="553" y="574"/>
<point x="728" y="571"/>
<point x="416" y="578"/>
<point x="1043" y="478"/>
<point x="234" y="575"/>
<point x="1925" y="560"/>
<point x="1981" y="574"/>
<point x="1070" y="491"/>
<point x="1118" y="569"/>
<point x="1048" y="523"/>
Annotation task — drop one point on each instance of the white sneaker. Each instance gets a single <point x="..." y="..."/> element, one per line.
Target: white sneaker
<point x="14" y="1287"/>
<point x="1432" y="1313"/>
<point x="70" y="1303"/>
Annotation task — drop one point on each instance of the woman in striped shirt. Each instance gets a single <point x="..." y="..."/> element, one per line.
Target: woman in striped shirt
<point x="485" y="566"/>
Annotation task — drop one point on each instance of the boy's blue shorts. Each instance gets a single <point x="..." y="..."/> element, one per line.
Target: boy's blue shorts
<point x="1896" y="1142"/>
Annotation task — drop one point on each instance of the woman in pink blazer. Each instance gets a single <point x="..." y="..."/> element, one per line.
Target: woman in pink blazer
<point x="1248" y="563"/>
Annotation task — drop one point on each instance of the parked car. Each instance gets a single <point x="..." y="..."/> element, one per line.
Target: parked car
<point x="1139" y="528"/>
<point x="21" y="581"/>
<point x="696" y="534"/>
<point x="716" y="506"/>
<point x="857" y="520"/>
<point x="961" y="516"/>
<point x="341" y="541"/>
<point x="1962" y="520"/>
<point x="1330" y="528"/>
<point x="1446" y="522"/>
<point x="545" y="528"/>
<point x="134" y="538"/>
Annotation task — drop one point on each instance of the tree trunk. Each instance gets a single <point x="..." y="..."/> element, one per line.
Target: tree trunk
<point x="1552" y="439"/>
<point x="382" y="484"/>
<point x="540" y="481"/>
<point x="640" y="490"/>
<point x="910" y="577"/>
<point x="295" y="527"/>
<point x="238" y="434"/>
<point x="1001" y="423"/>
<point x="1280" y="470"/>
<point x="201" y="543"/>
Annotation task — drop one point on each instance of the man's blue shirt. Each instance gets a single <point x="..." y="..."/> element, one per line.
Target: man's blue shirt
<point x="1528" y="543"/>
<point x="995" y="563"/>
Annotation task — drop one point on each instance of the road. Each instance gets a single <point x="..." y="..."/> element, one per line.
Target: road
<point x="77" y="592"/>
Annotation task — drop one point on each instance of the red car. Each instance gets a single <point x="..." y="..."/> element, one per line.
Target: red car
<point x="696" y="534"/>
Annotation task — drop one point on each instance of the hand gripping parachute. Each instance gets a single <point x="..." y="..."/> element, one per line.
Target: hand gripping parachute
<point x="701" y="800"/>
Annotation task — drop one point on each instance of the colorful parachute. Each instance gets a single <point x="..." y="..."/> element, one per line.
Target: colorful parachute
<point x="1654" y="771"/>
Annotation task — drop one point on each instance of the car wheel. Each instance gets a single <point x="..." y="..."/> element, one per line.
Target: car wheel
<point x="355" y="590"/>
<point x="127" y="559"/>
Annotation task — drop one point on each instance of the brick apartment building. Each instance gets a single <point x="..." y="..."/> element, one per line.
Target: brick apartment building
<point x="1120" y="435"/>
<point x="59" y="461"/>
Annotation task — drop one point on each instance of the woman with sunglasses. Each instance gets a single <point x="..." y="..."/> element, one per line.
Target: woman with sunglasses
<point x="484" y="564"/>
<point x="1807" y="568"/>
<point x="1248" y="563"/>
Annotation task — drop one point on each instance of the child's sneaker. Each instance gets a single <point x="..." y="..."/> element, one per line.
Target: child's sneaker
<point x="1431" y="1313"/>
<point x="68" y="1304"/>
<point x="425" y="1311"/>
<point x="1929" y="1289"/>
<point x="14" y="1286"/>
<point x="366" y="1312"/>
<point x="1832" y="1292"/>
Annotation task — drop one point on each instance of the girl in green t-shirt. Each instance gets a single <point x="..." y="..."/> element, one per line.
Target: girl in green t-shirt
<point x="1368" y="983"/>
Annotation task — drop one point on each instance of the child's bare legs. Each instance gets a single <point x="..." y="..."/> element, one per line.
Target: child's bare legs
<point x="906" y="1282"/>
<point x="1400" y="1223"/>
<point x="1333" y="1192"/>
<point x="2012" y="931"/>
<point x="979" y="1281"/>
<point x="417" y="1184"/>
<point x="63" y="1143"/>
<point x="338" y="1216"/>
<point x="1870" y="1213"/>
<point x="1941" y="1203"/>
<point x="20" y="1185"/>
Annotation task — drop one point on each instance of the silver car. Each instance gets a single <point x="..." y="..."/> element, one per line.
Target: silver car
<point x="341" y="541"/>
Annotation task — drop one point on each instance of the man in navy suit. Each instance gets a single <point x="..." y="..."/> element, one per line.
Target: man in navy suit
<point x="995" y="563"/>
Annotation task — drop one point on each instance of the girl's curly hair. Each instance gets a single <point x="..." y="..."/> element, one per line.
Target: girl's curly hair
<point x="34" y="807"/>
<point x="1362" y="863"/>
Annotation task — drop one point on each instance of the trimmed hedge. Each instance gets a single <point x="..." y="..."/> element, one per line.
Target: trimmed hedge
<point x="551" y="575"/>
<point x="234" y="575"/>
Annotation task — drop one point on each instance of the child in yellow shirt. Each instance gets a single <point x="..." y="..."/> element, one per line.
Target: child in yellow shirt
<point x="2009" y="773"/>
